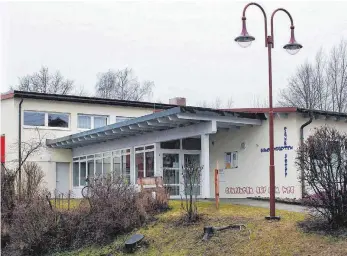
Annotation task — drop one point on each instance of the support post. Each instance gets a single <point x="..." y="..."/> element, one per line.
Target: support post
<point x="216" y="187"/>
<point x="205" y="162"/>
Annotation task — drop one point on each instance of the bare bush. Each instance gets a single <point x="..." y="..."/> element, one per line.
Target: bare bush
<point x="113" y="208"/>
<point x="32" y="179"/>
<point x="191" y="180"/>
<point x="323" y="161"/>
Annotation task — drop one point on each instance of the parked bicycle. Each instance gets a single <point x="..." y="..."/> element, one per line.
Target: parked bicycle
<point x="87" y="190"/>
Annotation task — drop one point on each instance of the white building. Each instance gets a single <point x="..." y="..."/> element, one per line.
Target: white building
<point x="89" y="136"/>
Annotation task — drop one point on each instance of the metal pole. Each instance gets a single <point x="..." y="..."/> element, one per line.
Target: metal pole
<point x="271" y="138"/>
<point x="271" y="135"/>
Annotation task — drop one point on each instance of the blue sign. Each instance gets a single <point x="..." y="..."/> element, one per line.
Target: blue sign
<point x="282" y="148"/>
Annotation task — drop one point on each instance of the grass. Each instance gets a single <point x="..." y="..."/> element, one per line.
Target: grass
<point x="165" y="237"/>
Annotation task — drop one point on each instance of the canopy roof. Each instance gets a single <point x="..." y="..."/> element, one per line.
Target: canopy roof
<point x="159" y="121"/>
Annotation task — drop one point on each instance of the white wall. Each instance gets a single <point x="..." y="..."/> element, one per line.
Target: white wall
<point x="47" y="158"/>
<point x="251" y="178"/>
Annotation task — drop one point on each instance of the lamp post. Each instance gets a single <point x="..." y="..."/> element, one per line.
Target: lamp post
<point x="245" y="40"/>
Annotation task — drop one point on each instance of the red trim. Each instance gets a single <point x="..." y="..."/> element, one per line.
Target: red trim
<point x="6" y="96"/>
<point x="2" y="149"/>
<point x="262" y="110"/>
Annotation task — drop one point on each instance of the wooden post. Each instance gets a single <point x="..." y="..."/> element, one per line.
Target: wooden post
<point x="68" y="200"/>
<point x="216" y="185"/>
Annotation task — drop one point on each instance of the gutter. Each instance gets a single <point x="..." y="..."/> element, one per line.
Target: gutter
<point x="20" y="145"/>
<point x="301" y="143"/>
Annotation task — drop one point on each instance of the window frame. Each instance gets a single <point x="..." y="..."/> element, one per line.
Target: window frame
<point x="98" y="156"/>
<point x="92" y="123"/>
<point x="234" y="164"/>
<point x="143" y="151"/>
<point x="45" y="126"/>
<point x="38" y="112"/>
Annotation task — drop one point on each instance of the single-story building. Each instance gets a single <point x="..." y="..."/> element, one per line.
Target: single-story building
<point x="151" y="139"/>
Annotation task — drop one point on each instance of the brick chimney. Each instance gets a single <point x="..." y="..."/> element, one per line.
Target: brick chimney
<point x="178" y="101"/>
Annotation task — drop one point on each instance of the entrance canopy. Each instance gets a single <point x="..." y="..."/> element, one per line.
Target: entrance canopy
<point x="165" y="120"/>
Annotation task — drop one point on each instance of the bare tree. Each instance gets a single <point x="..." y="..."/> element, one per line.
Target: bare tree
<point x="337" y="77"/>
<point x="230" y="102"/>
<point x="217" y="103"/>
<point x="320" y="85"/>
<point x="259" y="102"/>
<point x="122" y="85"/>
<point x="45" y="82"/>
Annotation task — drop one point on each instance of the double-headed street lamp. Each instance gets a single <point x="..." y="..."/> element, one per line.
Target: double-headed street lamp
<point x="245" y="40"/>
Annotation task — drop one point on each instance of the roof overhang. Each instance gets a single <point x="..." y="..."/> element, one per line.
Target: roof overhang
<point x="164" y="120"/>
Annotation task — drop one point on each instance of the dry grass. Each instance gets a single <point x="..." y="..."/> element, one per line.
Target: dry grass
<point x="164" y="237"/>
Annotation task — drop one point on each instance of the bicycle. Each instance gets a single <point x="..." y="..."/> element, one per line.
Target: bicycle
<point x="87" y="191"/>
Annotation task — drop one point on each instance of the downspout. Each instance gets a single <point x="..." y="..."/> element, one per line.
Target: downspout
<point x="301" y="143"/>
<point x="20" y="147"/>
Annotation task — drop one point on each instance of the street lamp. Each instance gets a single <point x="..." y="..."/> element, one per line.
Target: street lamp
<point x="245" y="40"/>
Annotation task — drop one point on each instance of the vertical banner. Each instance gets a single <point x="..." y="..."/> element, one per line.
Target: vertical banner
<point x="2" y="148"/>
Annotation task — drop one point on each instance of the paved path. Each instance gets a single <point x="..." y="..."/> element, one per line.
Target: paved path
<point x="264" y="204"/>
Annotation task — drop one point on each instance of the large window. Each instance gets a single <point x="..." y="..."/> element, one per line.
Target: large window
<point x="46" y="119"/>
<point x="34" y="118"/>
<point x="97" y="165"/>
<point x="91" y="121"/>
<point x="144" y="161"/>
<point x="58" y="120"/>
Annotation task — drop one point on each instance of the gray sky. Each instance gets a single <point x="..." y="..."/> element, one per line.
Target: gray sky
<point x="187" y="48"/>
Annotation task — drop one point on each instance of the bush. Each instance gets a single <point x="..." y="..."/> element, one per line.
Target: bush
<point x="191" y="178"/>
<point x="112" y="208"/>
<point x="323" y="161"/>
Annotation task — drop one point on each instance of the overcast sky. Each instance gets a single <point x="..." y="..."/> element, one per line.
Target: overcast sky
<point x="186" y="47"/>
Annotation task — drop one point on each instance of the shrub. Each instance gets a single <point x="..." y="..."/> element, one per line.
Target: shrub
<point x="323" y="161"/>
<point x="191" y="178"/>
<point x="113" y="208"/>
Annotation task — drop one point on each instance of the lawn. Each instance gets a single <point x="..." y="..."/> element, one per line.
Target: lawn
<point x="165" y="237"/>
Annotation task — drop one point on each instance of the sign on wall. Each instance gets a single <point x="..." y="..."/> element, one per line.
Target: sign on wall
<point x="285" y="147"/>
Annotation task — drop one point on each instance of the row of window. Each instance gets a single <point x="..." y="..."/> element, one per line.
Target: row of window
<point x="96" y="165"/>
<point x="62" y="120"/>
<point x="116" y="162"/>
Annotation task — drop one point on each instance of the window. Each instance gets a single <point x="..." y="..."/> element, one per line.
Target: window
<point x="125" y="158"/>
<point x="56" y="120"/>
<point x="172" y="144"/>
<point x="100" y="121"/>
<point x="75" y="174"/>
<point x="85" y="121"/>
<point x="144" y="161"/>
<point x="123" y="118"/>
<point x="34" y="118"/>
<point x="83" y="173"/>
<point x="102" y="165"/>
<point x="191" y="143"/>
<point x="231" y="160"/>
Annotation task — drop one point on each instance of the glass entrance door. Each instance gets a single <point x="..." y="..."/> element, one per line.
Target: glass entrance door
<point x="171" y="173"/>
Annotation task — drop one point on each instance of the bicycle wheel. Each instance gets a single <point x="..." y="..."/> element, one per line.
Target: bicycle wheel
<point x="87" y="192"/>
